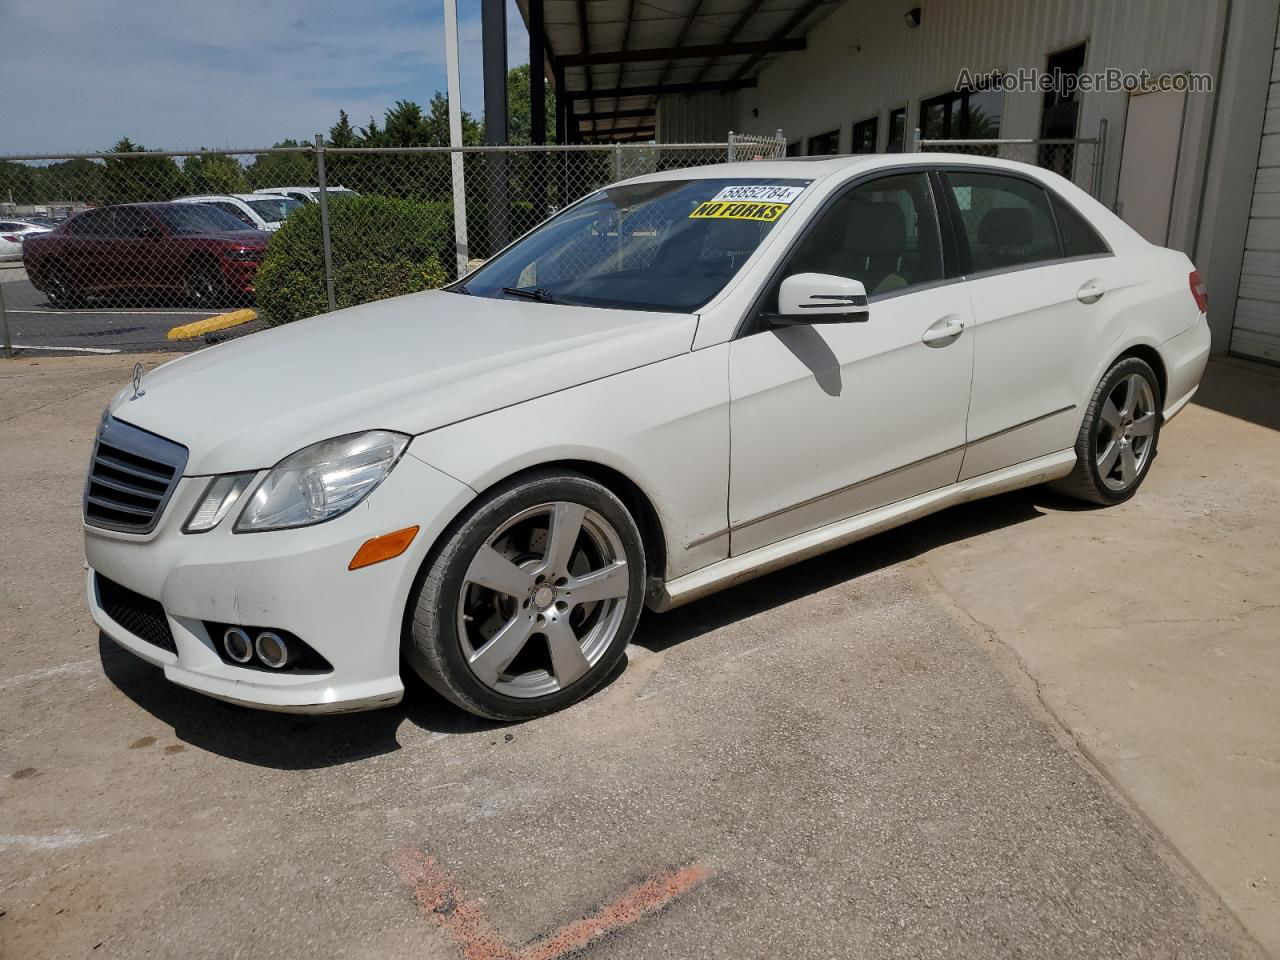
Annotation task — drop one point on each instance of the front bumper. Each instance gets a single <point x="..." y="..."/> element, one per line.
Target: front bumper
<point x="294" y="580"/>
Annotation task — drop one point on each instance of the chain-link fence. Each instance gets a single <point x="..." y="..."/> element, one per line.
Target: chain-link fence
<point x="114" y="251"/>
<point x="1079" y="160"/>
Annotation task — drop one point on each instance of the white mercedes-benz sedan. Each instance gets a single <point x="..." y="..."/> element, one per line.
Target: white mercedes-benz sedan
<point x="675" y="384"/>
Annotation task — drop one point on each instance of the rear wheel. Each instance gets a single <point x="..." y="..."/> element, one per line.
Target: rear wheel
<point x="204" y="284"/>
<point x="59" y="289"/>
<point x="532" y="598"/>
<point x="1117" y="440"/>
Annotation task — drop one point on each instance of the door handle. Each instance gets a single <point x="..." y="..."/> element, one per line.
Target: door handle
<point x="1090" y="292"/>
<point x="944" y="332"/>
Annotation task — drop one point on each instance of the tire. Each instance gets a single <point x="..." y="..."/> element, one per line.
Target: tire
<point x="1118" y="437"/>
<point x="204" y="285"/>
<point x="59" y="290"/>
<point x="505" y="653"/>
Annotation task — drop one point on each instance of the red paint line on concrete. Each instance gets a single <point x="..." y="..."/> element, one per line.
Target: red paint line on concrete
<point x="445" y="906"/>
<point x="638" y="902"/>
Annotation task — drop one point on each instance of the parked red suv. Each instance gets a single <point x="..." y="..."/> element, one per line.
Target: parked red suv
<point x="200" y="253"/>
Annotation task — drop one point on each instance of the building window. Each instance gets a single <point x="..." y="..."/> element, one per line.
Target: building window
<point x="865" y="134"/>
<point x="793" y="148"/>
<point x="962" y="115"/>
<point x="897" y="130"/>
<point x="824" y="143"/>
<point x="1060" y="114"/>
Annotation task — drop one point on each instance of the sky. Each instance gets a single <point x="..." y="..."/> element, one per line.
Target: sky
<point x="77" y="75"/>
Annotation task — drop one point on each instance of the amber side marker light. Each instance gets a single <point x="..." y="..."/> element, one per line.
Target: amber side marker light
<point x="385" y="547"/>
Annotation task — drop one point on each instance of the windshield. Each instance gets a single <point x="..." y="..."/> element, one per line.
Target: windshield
<point x="667" y="245"/>
<point x="186" y="218"/>
<point x="274" y="209"/>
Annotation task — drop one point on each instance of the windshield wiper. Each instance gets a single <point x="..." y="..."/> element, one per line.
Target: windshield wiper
<point x="537" y="294"/>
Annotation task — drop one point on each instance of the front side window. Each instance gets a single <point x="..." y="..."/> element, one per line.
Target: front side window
<point x="275" y="209"/>
<point x="193" y="218"/>
<point x="1007" y="221"/>
<point x="883" y="233"/>
<point x="131" y="222"/>
<point x="666" y="245"/>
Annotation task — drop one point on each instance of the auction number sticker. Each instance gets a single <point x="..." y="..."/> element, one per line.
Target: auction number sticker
<point x="749" y="201"/>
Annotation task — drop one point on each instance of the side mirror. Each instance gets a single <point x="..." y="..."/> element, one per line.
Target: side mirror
<point x="805" y="298"/>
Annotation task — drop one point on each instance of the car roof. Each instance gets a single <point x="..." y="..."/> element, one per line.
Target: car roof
<point x="819" y="168"/>
<point x="222" y="196"/>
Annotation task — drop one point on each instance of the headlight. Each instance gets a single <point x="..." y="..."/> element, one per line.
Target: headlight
<point x="322" y="481"/>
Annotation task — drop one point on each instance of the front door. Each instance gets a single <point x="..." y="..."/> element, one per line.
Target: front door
<point x="831" y="420"/>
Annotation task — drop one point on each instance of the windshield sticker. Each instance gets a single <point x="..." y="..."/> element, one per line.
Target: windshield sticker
<point x="719" y="210"/>
<point x="762" y="192"/>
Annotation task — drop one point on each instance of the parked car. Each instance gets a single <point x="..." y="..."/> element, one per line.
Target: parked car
<point x="680" y="382"/>
<point x="13" y="233"/>
<point x="305" y="194"/>
<point x="205" y="255"/>
<point x="259" y="212"/>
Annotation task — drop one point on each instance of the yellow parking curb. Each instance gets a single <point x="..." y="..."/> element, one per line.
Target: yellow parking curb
<point x="212" y="324"/>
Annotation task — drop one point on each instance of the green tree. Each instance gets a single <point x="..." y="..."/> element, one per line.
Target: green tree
<point x="214" y="173"/>
<point x="135" y="179"/>
<point x="282" y="169"/>
<point x="519" y="112"/>
<point x="342" y="134"/>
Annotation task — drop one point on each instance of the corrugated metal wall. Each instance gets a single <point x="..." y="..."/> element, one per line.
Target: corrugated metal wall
<point x="695" y="118"/>
<point x="865" y="61"/>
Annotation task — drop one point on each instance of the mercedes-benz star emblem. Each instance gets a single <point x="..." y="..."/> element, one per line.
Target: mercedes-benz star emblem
<point x="137" y="382"/>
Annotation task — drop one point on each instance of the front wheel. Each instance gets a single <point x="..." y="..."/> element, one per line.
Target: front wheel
<point x="1117" y="440"/>
<point x="530" y="601"/>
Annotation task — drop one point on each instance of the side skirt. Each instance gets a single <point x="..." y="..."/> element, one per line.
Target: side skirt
<point x="733" y="570"/>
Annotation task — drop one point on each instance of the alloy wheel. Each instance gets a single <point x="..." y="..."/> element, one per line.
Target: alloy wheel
<point x="542" y="599"/>
<point x="1126" y="428"/>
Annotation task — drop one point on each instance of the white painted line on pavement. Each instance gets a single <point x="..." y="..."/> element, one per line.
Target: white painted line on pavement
<point x="90" y="312"/>
<point x="36" y="346"/>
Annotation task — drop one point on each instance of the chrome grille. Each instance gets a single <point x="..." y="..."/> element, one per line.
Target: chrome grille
<point x="131" y="477"/>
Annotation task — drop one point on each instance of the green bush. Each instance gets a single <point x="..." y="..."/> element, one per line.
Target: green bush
<point x="382" y="247"/>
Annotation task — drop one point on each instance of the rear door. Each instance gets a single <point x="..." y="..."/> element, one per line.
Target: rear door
<point x="1044" y="287"/>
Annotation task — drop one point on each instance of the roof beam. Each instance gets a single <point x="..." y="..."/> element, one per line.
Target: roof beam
<point x="617" y="114"/>
<point x="685" y="53"/>
<point x="730" y="36"/>
<point x="793" y="21"/>
<point x="584" y="43"/>
<point x="658" y="89"/>
<point x="680" y="38"/>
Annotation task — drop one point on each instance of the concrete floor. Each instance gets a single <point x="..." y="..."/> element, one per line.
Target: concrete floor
<point x="1016" y="728"/>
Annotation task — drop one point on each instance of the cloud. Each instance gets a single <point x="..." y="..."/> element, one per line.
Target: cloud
<point x="80" y="74"/>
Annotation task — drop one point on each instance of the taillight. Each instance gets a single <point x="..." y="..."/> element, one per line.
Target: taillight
<point x="12" y="237"/>
<point x="1199" y="291"/>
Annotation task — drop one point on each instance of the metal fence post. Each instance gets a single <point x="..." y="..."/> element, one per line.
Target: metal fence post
<point x="617" y="162"/>
<point x="1099" y="157"/>
<point x="4" y="325"/>
<point x="733" y="154"/>
<point x="915" y="141"/>
<point x="324" y="224"/>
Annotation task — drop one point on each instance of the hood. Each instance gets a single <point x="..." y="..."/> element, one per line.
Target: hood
<point x="410" y="364"/>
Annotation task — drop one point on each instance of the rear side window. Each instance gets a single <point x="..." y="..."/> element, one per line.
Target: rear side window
<point x="91" y="223"/>
<point x="1079" y="239"/>
<point x="1008" y="222"/>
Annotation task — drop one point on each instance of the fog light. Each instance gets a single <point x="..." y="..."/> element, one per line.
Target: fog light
<point x="237" y="645"/>
<point x="271" y="650"/>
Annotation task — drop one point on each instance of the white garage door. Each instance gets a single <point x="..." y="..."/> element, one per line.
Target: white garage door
<point x="1257" y="323"/>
